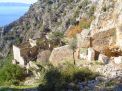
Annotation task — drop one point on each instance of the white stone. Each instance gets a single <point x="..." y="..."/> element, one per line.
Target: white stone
<point x="83" y="53"/>
<point x="113" y="74"/>
<point x="14" y="61"/>
<point x="33" y="65"/>
<point x="118" y="60"/>
<point x="103" y="58"/>
<point x="83" y="56"/>
<point x="17" y="55"/>
<point x="91" y="54"/>
<point x="32" y="42"/>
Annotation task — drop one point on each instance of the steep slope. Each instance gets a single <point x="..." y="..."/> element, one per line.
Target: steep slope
<point x="44" y="16"/>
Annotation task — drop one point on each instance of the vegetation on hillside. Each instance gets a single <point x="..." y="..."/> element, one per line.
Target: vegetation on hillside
<point x="58" y="79"/>
<point x="10" y="74"/>
<point x="56" y="38"/>
<point x="84" y="23"/>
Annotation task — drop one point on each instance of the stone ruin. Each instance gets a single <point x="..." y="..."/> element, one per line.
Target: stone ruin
<point x="31" y="50"/>
<point x="25" y="52"/>
<point x="105" y="33"/>
<point x="61" y="54"/>
<point x="100" y="46"/>
<point x="103" y="41"/>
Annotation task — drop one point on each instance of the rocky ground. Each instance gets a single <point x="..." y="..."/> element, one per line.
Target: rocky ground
<point x="110" y="79"/>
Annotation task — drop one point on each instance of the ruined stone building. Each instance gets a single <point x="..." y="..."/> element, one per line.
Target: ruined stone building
<point x="25" y="52"/>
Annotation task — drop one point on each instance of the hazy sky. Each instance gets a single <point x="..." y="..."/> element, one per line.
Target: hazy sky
<point x="19" y="1"/>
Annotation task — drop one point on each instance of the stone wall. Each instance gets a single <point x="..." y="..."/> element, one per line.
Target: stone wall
<point x="17" y="55"/>
<point x="61" y="54"/>
<point x="43" y="56"/>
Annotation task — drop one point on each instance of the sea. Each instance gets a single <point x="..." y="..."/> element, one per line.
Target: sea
<point x="11" y="12"/>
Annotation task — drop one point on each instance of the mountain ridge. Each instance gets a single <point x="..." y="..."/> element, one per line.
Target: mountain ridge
<point x="45" y="17"/>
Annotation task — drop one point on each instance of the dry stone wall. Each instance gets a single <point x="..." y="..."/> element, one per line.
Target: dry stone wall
<point x="61" y="54"/>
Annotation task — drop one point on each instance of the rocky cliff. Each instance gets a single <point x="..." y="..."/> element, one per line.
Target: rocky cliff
<point x="45" y="16"/>
<point x="106" y="29"/>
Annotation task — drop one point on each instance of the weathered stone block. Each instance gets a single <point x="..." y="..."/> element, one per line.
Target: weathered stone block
<point x="43" y="57"/>
<point x="61" y="54"/>
<point x="17" y="56"/>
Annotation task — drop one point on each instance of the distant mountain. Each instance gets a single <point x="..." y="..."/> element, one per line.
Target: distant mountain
<point x="13" y="4"/>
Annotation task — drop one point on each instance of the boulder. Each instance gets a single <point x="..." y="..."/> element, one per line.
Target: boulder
<point x="103" y="58"/>
<point x="61" y="54"/>
<point x="43" y="57"/>
<point x="118" y="60"/>
<point x="91" y="54"/>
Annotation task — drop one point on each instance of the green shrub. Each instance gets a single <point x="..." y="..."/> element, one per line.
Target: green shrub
<point x="11" y="74"/>
<point x="58" y="79"/>
<point x="18" y="40"/>
<point x="6" y="60"/>
<point x="74" y="74"/>
<point x="85" y="23"/>
<point x="57" y="37"/>
<point x="91" y="11"/>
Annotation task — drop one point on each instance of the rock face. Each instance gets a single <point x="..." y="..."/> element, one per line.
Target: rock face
<point x="104" y="39"/>
<point x="107" y="26"/>
<point x="61" y="54"/>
